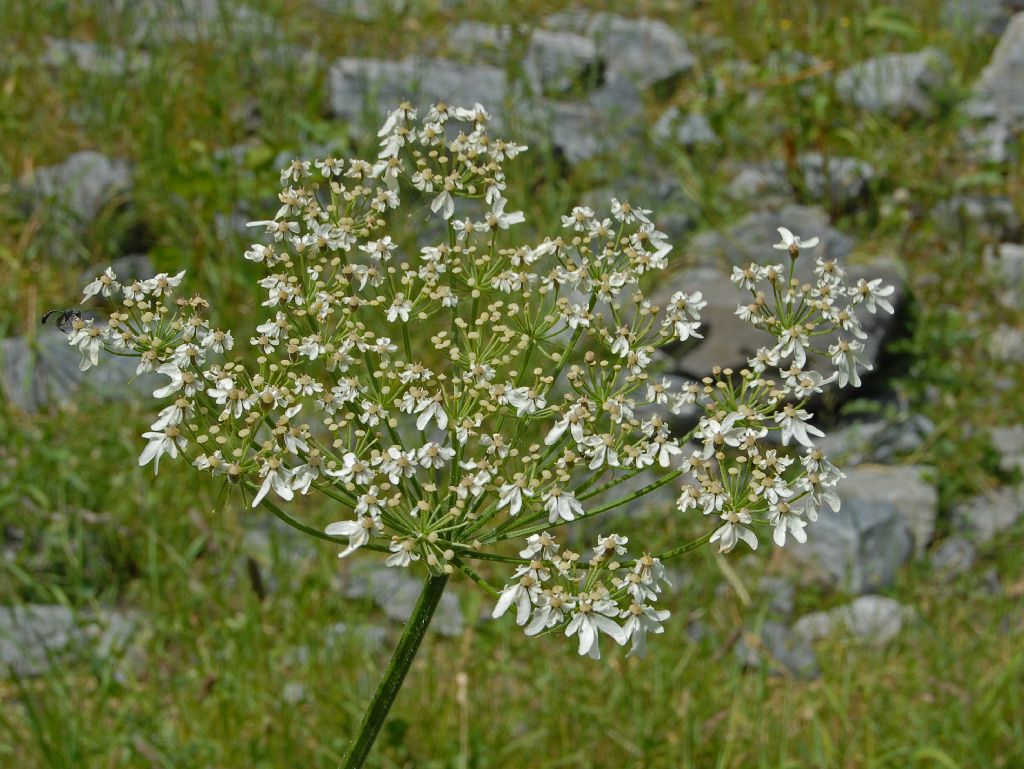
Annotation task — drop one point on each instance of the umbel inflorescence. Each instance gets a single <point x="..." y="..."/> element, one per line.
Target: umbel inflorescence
<point x="450" y="397"/>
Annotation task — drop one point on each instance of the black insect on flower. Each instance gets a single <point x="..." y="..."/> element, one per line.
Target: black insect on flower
<point x="64" y="318"/>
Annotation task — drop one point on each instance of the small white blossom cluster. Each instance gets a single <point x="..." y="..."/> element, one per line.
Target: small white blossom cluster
<point x="454" y="394"/>
<point x="551" y="590"/>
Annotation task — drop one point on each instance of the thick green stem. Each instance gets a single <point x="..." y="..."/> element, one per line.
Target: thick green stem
<point x="394" y="675"/>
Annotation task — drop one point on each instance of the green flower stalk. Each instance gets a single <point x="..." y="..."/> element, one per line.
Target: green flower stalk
<point x="475" y="389"/>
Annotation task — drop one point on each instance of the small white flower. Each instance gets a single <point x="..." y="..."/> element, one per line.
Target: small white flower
<point x="431" y="409"/>
<point x="540" y="546"/>
<point x="793" y="243"/>
<point x="641" y="620"/>
<point x="403" y="553"/>
<point x="162" y="283"/>
<point x="521" y="593"/>
<point x="561" y="505"/>
<point x="511" y="495"/>
<point x="794" y="426"/>
<point x="358" y="532"/>
<point x="786" y="519"/>
<point x="592" y="618"/>
<point x="106" y="284"/>
<point x="734" y="530"/>
<point x="275" y="476"/>
<point x="166" y="440"/>
<point x="434" y="456"/>
<point x="89" y="339"/>
<point x="873" y="294"/>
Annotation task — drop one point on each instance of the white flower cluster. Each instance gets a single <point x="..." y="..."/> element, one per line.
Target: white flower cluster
<point x="455" y="393"/>
<point x="550" y="590"/>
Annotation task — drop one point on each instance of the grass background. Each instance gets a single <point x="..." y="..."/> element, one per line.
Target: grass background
<point x="204" y="684"/>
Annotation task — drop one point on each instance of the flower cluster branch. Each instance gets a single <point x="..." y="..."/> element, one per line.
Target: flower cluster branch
<point x="474" y="389"/>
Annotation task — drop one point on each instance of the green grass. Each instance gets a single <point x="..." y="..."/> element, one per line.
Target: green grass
<point x="83" y="525"/>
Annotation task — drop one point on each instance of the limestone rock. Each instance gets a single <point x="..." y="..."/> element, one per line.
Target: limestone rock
<point x="35" y="374"/>
<point x="395" y="591"/>
<point x="160" y="23"/>
<point x="1006" y="262"/>
<point x="839" y="182"/>
<point x="999" y="92"/>
<point x="872" y="619"/>
<point x="33" y="637"/>
<point x="896" y="84"/>
<point x="557" y="61"/>
<point x="979" y="17"/>
<point x="1009" y="442"/>
<point x="687" y="131"/>
<point x="357" y="87"/>
<point x="364" y="10"/>
<point x="645" y="51"/>
<point x="954" y="556"/>
<point x="782" y="650"/>
<point x="480" y="42"/>
<point x="81" y="186"/>
<point x="985" y="516"/>
<point x="598" y="125"/>
<point x="92" y="58"/>
<point x="993" y="217"/>
<point x="887" y="514"/>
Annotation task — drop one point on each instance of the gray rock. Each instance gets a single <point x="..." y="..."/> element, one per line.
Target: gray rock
<point x="979" y="17"/>
<point x="364" y="10"/>
<point x="730" y="341"/>
<point x="838" y="182"/>
<point x="901" y="437"/>
<point x="896" y="84"/>
<point x="478" y="41"/>
<point x="159" y="22"/>
<point x="82" y="186"/>
<point x="999" y="91"/>
<point x="761" y="181"/>
<point x="688" y="131"/>
<point x="852" y="444"/>
<point x="887" y="514"/>
<point x="36" y="374"/>
<point x="1009" y="442"/>
<point x="31" y="636"/>
<point x="954" y="556"/>
<point x="274" y="544"/>
<point x="782" y="596"/>
<point x="1006" y="343"/>
<point x="1006" y="263"/>
<point x="395" y="592"/>
<point x="367" y="635"/>
<point x="781" y="649"/>
<point x="994" y="217"/>
<point x="645" y="51"/>
<point x="598" y="126"/>
<point x="993" y="142"/>
<point x="91" y="58"/>
<point x="985" y="516"/>
<point x="34" y="637"/>
<point x="358" y="87"/>
<point x="872" y="619"/>
<point x="556" y="62"/>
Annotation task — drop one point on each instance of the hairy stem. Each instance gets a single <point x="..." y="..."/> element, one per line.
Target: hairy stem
<point x="394" y="675"/>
